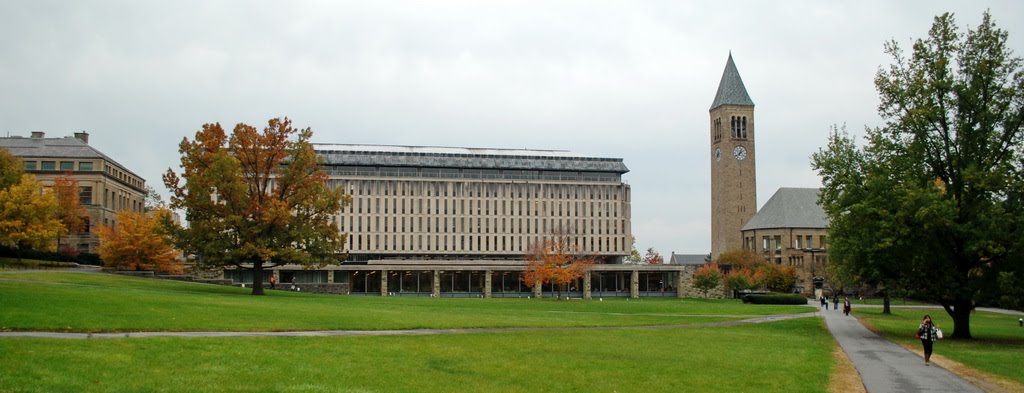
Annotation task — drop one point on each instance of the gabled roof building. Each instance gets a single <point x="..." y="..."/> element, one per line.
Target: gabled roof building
<point x="105" y="186"/>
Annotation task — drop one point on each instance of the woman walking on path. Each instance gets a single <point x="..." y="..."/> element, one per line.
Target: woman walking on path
<point x="928" y="333"/>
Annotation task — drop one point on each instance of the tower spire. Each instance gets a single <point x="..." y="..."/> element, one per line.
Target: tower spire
<point x="730" y="89"/>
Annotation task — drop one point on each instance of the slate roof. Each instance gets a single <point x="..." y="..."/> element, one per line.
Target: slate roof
<point x="790" y="208"/>
<point x="462" y="157"/>
<point x="730" y="89"/>
<point x="687" y="259"/>
<point x="66" y="147"/>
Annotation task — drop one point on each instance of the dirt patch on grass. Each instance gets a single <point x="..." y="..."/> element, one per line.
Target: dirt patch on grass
<point x="989" y="382"/>
<point x="844" y="378"/>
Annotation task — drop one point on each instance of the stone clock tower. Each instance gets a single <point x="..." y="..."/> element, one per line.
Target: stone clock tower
<point x="733" y="181"/>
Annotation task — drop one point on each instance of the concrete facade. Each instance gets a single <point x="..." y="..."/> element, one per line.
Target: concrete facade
<point x="460" y="222"/>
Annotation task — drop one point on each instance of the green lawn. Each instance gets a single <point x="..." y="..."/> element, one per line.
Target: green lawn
<point x="790" y="356"/>
<point x="793" y="356"/>
<point x="103" y="303"/>
<point x="996" y="348"/>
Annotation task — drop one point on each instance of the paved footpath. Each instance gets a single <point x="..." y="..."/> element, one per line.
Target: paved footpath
<point x="888" y="367"/>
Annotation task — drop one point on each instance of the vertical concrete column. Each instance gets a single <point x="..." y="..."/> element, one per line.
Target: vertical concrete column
<point x="330" y="276"/>
<point x="586" y="285"/>
<point x="383" y="282"/>
<point x="436" y="290"/>
<point x="538" y="288"/>
<point x="683" y="273"/>
<point x="487" y="284"/>
<point x="634" y="284"/>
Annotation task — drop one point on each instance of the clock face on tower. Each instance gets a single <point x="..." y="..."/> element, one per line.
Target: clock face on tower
<point x="718" y="154"/>
<point x="740" y="153"/>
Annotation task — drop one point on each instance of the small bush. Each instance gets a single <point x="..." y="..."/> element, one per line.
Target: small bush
<point x="775" y="298"/>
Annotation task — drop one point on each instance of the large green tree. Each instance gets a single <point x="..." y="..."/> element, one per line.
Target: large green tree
<point x="255" y="199"/>
<point x="10" y="169"/>
<point x="932" y="203"/>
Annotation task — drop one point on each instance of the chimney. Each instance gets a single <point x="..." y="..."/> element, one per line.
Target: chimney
<point x="38" y="135"/>
<point x="82" y="136"/>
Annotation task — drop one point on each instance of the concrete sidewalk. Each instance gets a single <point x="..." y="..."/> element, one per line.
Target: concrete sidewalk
<point x="887" y="367"/>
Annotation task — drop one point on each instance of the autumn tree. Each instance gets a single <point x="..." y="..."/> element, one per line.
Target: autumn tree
<point x="653" y="257"/>
<point x="707" y="277"/>
<point x="140" y="241"/>
<point x="741" y="279"/>
<point x="739" y="258"/>
<point x="28" y="216"/>
<point x="555" y="261"/>
<point x="69" y="207"/>
<point x="934" y="201"/>
<point x="255" y="199"/>
<point x="10" y="169"/>
<point x="778" y="278"/>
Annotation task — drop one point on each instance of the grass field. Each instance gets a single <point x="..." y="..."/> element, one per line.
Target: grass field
<point x="792" y="356"/>
<point x="103" y="303"/>
<point x="997" y="346"/>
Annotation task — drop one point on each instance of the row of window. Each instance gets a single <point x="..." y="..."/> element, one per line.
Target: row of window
<point x="460" y="225"/>
<point x="477" y="189"/>
<point x="435" y="206"/>
<point x="774" y="243"/>
<point x="83" y="166"/>
<point x="737" y="127"/>
<point x="456" y="173"/>
<point x="475" y="244"/>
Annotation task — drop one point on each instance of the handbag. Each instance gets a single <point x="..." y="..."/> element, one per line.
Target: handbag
<point x="938" y="333"/>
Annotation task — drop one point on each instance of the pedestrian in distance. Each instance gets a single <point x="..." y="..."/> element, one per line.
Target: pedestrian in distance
<point x="928" y="333"/>
<point x="846" y="305"/>
<point x="835" y="302"/>
<point x="273" y="281"/>
<point x="824" y="302"/>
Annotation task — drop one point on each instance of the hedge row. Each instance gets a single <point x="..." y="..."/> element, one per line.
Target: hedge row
<point x="82" y="258"/>
<point x="775" y="298"/>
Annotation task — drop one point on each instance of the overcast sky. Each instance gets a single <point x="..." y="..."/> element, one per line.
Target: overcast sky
<point x="624" y="79"/>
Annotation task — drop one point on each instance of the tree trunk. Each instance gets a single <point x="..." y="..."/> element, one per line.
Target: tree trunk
<point x="257" y="278"/>
<point x="960" y="310"/>
<point x="885" y="304"/>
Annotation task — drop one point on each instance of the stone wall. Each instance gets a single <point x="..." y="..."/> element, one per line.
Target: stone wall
<point x="330" y="288"/>
<point x="686" y="288"/>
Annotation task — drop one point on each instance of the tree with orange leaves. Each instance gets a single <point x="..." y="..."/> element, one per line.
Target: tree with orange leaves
<point x="653" y="257"/>
<point x="255" y="199"/>
<point x="139" y="242"/>
<point x="707" y="277"/>
<point x="69" y="207"/>
<point x="555" y="261"/>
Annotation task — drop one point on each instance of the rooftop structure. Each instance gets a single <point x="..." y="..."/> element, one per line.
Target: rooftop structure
<point x="790" y="208"/>
<point x="730" y="89"/>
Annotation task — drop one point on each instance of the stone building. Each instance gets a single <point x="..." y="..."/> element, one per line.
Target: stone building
<point x="791" y="229"/>
<point x="733" y="163"/>
<point x="105" y="186"/>
<point x="459" y="222"/>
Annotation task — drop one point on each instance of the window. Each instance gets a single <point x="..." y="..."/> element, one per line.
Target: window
<point x="67" y="166"/>
<point x="30" y="165"/>
<point x="778" y="243"/>
<point x="49" y="165"/>
<point x="85" y="195"/>
<point x="85" y="166"/>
